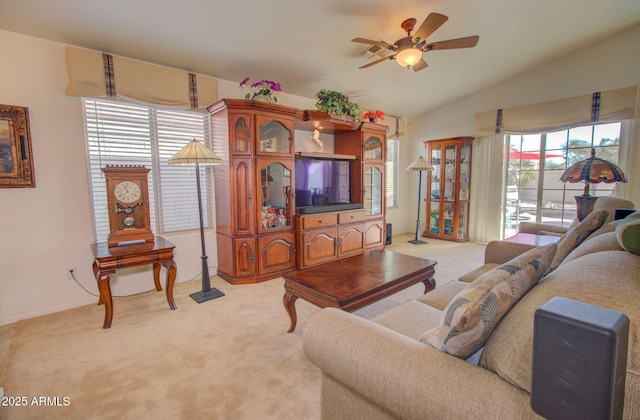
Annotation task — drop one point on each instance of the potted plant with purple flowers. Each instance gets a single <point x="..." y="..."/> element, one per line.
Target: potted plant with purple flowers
<point x="262" y="89"/>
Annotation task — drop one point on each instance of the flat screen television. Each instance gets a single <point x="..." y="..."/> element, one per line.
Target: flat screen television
<point x="323" y="185"/>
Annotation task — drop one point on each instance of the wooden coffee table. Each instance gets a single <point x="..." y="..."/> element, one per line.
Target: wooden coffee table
<point x="352" y="283"/>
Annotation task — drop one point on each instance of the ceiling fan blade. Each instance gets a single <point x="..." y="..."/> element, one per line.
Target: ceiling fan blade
<point x="376" y="62"/>
<point x="372" y="42"/>
<point x="466" y="42"/>
<point x="429" y="26"/>
<point x="420" y="65"/>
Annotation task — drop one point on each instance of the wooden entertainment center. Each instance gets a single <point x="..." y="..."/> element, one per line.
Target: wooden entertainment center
<point x="259" y="233"/>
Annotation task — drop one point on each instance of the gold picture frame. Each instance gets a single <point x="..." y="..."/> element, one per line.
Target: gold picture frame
<point x="16" y="158"/>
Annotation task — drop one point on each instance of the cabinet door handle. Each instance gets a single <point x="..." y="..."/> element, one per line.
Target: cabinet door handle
<point x="320" y="221"/>
<point x="252" y="257"/>
<point x="250" y="197"/>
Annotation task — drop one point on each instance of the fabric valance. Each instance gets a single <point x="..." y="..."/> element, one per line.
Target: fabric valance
<point x="598" y="107"/>
<point x="97" y="75"/>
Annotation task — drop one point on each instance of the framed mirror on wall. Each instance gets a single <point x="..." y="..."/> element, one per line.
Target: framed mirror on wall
<point x="16" y="159"/>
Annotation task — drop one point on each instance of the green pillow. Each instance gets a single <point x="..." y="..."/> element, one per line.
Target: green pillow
<point x="628" y="234"/>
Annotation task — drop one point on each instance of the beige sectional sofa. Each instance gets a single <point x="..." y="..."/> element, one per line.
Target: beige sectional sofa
<point x="379" y="369"/>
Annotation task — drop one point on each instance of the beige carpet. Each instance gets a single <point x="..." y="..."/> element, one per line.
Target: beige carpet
<point x="228" y="358"/>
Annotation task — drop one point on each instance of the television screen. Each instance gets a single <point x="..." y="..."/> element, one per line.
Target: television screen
<point x="321" y="182"/>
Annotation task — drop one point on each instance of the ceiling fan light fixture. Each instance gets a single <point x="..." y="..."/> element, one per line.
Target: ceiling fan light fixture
<point x="408" y="57"/>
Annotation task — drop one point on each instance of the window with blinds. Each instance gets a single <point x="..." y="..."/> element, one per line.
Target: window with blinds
<point x="393" y="153"/>
<point x="120" y="133"/>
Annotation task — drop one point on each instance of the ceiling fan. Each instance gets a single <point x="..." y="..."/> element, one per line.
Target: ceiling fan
<point x="408" y="51"/>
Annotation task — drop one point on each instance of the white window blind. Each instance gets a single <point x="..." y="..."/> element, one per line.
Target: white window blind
<point x="393" y="148"/>
<point x="120" y="133"/>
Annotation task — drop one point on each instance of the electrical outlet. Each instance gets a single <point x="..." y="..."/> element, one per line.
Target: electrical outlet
<point x="71" y="273"/>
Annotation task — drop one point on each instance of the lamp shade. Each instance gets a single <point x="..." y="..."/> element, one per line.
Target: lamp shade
<point x="420" y="165"/>
<point x="593" y="170"/>
<point x="195" y="152"/>
<point x="408" y="57"/>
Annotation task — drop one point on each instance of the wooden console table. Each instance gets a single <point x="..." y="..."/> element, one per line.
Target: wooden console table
<point x="108" y="259"/>
<point x="354" y="282"/>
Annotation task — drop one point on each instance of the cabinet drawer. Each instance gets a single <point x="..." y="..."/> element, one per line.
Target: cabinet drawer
<point x="320" y="220"/>
<point x="351" y="216"/>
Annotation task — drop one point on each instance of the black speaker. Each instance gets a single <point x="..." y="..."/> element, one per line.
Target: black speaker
<point x="579" y="361"/>
<point x="388" y="235"/>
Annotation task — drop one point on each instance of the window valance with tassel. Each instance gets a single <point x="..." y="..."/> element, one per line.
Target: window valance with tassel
<point x="95" y="74"/>
<point x="598" y="107"/>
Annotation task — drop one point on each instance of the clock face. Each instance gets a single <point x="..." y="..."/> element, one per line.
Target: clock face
<point x="127" y="191"/>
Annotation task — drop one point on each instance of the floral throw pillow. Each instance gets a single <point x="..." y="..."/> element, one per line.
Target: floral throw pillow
<point x="574" y="236"/>
<point x="472" y="315"/>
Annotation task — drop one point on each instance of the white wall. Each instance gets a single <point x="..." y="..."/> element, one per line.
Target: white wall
<point x="610" y="64"/>
<point x="48" y="229"/>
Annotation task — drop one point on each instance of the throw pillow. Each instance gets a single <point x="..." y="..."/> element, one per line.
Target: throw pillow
<point x="577" y="234"/>
<point x="468" y="320"/>
<point x="628" y="234"/>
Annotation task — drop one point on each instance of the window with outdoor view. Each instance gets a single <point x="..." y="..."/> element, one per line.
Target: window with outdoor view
<point x="534" y="191"/>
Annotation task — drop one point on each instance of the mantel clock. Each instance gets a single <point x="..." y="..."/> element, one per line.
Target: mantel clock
<point x="128" y="204"/>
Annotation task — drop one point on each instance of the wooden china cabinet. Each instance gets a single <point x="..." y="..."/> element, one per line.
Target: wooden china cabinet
<point x="253" y="194"/>
<point x="368" y="144"/>
<point x="448" y="188"/>
<point x="258" y="234"/>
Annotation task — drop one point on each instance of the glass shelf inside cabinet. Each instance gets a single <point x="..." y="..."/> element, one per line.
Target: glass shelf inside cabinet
<point x="274" y="138"/>
<point x="275" y="180"/>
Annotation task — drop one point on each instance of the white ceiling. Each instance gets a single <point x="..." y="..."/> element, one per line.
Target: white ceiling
<point x="306" y="44"/>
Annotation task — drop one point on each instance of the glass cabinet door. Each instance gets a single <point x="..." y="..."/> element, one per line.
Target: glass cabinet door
<point x="372" y="191"/>
<point x="240" y="135"/>
<point x="373" y="148"/>
<point x="434" y="188"/>
<point x="449" y="173"/>
<point x="465" y="162"/>
<point x="463" y="219"/>
<point x="275" y="196"/>
<point x="273" y="137"/>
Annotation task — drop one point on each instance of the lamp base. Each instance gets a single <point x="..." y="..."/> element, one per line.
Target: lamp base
<point x="205" y="296"/>
<point x="416" y="242"/>
<point x="584" y="205"/>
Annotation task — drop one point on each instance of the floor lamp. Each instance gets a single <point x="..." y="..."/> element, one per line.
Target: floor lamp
<point x="196" y="153"/>
<point x="592" y="170"/>
<point x="419" y="165"/>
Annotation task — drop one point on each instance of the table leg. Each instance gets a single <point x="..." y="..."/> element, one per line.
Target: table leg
<point x="95" y="274"/>
<point x="289" y="301"/>
<point x="171" y="278"/>
<point x="429" y="284"/>
<point x="103" y="279"/>
<point x="156" y="276"/>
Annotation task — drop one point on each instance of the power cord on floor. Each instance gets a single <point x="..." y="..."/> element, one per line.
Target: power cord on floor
<point x="72" y="273"/>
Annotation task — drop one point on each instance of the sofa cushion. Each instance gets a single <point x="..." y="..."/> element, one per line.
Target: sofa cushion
<point x="409" y="318"/>
<point x="577" y="234"/>
<point x="609" y="279"/>
<point x="605" y="242"/>
<point x="628" y="233"/>
<point x="442" y="295"/>
<point x="474" y="312"/>
<point x="474" y="274"/>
